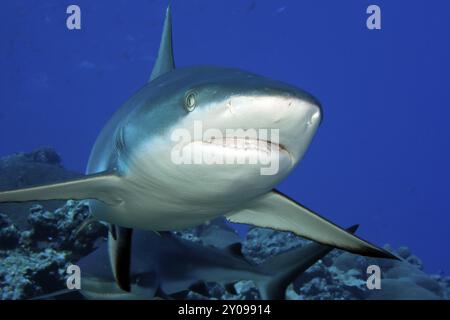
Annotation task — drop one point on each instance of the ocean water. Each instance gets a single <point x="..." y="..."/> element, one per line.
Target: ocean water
<point x="381" y="156"/>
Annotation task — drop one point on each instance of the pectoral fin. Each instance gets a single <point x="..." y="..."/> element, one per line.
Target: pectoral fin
<point x="119" y="247"/>
<point x="276" y="211"/>
<point x="102" y="186"/>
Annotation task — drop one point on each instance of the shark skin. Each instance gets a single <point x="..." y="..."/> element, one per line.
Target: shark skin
<point x="132" y="181"/>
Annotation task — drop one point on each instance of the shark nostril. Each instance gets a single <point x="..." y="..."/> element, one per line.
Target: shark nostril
<point x="230" y="107"/>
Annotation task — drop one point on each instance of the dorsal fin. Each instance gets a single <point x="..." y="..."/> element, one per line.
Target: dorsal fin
<point x="165" y="62"/>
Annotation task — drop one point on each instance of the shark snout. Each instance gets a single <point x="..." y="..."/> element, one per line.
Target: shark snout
<point x="316" y="113"/>
<point x="295" y="111"/>
<point x="289" y="112"/>
<point x="297" y="117"/>
<point x="304" y="105"/>
<point x="318" y="110"/>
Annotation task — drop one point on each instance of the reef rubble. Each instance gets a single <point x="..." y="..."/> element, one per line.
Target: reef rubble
<point x="34" y="261"/>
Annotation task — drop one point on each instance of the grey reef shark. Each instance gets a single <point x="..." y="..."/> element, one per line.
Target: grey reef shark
<point x="156" y="273"/>
<point x="132" y="180"/>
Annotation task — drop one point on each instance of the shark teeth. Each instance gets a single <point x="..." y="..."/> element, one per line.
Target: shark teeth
<point x="243" y="144"/>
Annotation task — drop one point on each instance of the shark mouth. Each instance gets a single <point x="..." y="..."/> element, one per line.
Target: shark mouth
<point x="236" y="150"/>
<point x="245" y="144"/>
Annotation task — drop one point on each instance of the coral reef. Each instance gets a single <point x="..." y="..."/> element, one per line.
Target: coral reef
<point x="20" y="170"/>
<point x="34" y="261"/>
<point x="339" y="276"/>
<point x="58" y="229"/>
<point x="342" y="275"/>
<point x="25" y="274"/>
<point x="38" y="241"/>
<point x="9" y="233"/>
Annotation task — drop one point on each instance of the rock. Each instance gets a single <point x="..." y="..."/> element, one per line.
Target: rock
<point x="347" y="261"/>
<point x="401" y="289"/>
<point x="36" y="258"/>
<point x="59" y="229"/>
<point x="44" y="155"/>
<point x="215" y="290"/>
<point x="402" y="270"/>
<point x="247" y="290"/>
<point x="404" y="252"/>
<point x="315" y="289"/>
<point x="26" y="239"/>
<point x="415" y="261"/>
<point x="344" y="277"/>
<point x="242" y="290"/>
<point x="195" y="296"/>
<point x="427" y="282"/>
<point x="9" y="233"/>
<point x="4" y="221"/>
<point x="44" y="223"/>
<point x="24" y="275"/>
<point x="318" y="270"/>
<point x="444" y="283"/>
<point x="20" y="170"/>
<point x="9" y="237"/>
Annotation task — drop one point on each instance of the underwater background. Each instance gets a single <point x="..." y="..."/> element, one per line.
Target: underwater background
<point x="381" y="156"/>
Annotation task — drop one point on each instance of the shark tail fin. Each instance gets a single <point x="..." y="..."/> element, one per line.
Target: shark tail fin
<point x="286" y="267"/>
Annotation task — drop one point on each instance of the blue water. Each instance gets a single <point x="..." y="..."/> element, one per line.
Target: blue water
<point x="381" y="157"/>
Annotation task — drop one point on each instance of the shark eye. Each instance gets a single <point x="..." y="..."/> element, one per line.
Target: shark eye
<point x="190" y="101"/>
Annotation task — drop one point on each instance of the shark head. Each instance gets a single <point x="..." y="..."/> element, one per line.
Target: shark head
<point x="211" y="126"/>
